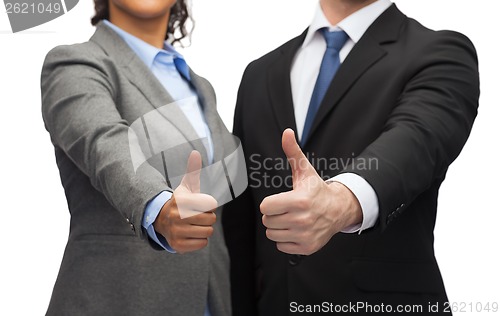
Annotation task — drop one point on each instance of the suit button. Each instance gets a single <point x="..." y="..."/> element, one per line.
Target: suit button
<point x="390" y="218"/>
<point x="294" y="260"/>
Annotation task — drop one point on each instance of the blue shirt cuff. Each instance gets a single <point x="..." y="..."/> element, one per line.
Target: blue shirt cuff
<point x="151" y="212"/>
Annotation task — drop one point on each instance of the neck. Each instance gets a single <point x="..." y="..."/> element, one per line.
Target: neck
<point x="337" y="10"/>
<point x="151" y="30"/>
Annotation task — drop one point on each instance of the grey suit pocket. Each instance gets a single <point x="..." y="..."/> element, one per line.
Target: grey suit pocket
<point x="374" y="275"/>
<point x="102" y="273"/>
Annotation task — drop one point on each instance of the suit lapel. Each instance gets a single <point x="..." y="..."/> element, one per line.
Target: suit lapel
<point x="368" y="51"/>
<point x="142" y="78"/>
<point x="357" y="62"/>
<point x="207" y="99"/>
<point x="278" y="82"/>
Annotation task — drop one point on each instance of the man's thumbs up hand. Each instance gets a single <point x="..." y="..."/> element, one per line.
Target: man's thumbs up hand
<point x="303" y="220"/>
<point x="186" y="219"/>
<point x="300" y="166"/>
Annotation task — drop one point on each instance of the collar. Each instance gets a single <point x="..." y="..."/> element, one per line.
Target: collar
<point x="146" y="52"/>
<point x="355" y="25"/>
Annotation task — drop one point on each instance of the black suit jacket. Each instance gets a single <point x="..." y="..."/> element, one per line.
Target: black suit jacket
<point x="398" y="112"/>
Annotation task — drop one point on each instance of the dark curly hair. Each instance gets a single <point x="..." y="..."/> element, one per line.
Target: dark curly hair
<point x="179" y="15"/>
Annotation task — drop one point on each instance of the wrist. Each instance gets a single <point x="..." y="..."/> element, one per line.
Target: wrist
<point x="348" y="205"/>
<point x="163" y="218"/>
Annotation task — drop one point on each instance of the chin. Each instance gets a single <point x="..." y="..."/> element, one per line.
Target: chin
<point x="145" y="9"/>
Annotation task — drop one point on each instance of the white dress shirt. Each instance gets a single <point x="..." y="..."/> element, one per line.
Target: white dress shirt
<point x="305" y="70"/>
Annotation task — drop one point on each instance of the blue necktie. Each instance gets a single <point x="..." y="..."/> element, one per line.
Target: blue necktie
<point x="329" y="66"/>
<point x="182" y="67"/>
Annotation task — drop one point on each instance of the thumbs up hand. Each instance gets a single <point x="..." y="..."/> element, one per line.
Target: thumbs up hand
<point x="186" y="220"/>
<point x="303" y="220"/>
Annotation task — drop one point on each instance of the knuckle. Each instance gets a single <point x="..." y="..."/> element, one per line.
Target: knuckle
<point x="213" y="218"/>
<point x="308" y="221"/>
<point x="265" y="220"/>
<point x="210" y="231"/>
<point x="263" y="207"/>
<point x="304" y="221"/>
<point x="203" y="243"/>
<point x="303" y="203"/>
<point x="305" y="249"/>
<point x="296" y="221"/>
<point x="280" y="247"/>
<point x="300" y="221"/>
<point x="269" y="234"/>
<point x="310" y="249"/>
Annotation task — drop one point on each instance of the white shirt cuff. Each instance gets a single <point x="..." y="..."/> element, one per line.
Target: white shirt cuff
<point x="366" y="196"/>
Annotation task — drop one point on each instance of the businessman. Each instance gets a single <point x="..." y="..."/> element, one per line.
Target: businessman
<point x="348" y="131"/>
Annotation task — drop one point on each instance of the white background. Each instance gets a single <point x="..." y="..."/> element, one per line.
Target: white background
<point x="228" y="35"/>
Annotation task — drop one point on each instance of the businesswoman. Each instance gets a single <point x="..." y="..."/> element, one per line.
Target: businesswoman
<point x="130" y="252"/>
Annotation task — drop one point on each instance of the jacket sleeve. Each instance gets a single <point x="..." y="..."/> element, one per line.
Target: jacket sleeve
<point x="80" y="113"/>
<point x="428" y="126"/>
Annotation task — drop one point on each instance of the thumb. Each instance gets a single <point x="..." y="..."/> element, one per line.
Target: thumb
<point x="191" y="179"/>
<point x="301" y="167"/>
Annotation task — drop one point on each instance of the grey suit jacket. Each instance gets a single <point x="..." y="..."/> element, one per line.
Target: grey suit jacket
<point x="91" y="94"/>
